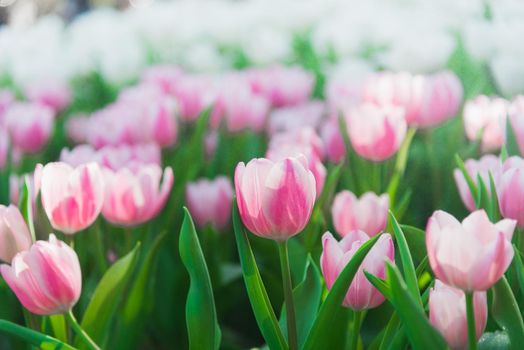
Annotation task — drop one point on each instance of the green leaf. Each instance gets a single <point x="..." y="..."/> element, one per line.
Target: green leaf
<point x="416" y="325"/>
<point x="494" y="341"/>
<point x="37" y="339"/>
<point x="321" y="330"/>
<point x="264" y="313"/>
<point x="494" y="205"/>
<point x="59" y="326"/>
<point x="201" y="317"/>
<point x="505" y="311"/>
<point x="131" y="320"/>
<point x="400" y="165"/>
<point x="512" y="146"/>
<point x="380" y="284"/>
<point x="503" y="153"/>
<point x="519" y="268"/>
<point x="306" y="296"/>
<point x="330" y="184"/>
<point x="106" y="298"/>
<point x="416" y="239"/>
<point x="26" y="206"/>
<point x="471" y="184"/>
<point x="483" y="200"/>
<point x="390" y="331"/>
<point x="407" y="262"/>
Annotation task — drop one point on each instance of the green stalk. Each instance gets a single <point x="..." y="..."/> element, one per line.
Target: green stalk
<point x="100" y="252"/>
<point x="355" y="334"/>
<point x="80" y="332"/>
<point x="288" y="295"/>
<point x="472" y="337"/>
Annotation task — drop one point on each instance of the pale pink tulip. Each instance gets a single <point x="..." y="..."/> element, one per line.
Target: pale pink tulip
<point x="52" y="93"/>
<point x="209" y="201"/>
<point x="136" y="194"/>
<point x="283" y="86"/>
<point x="361" y="294"/>
<point x="305" y="137"/>
<point x="368" y="213"/>
<point x="447" y="313"/>
<point x="14" y="233"/>
<point x="483" y="167"/>
<point x="6" y="99"/>
<point x="510" y="190"/>
<point x="71" y="197"/>
<point x="285" y="119"/>
<point x="333" y="141"/>
<point x="193" y="94"/>
<point x="30" y="125"/>
<point x="4" y="147"/>
<point x="77" y="127"/>
<point x="164" y="76"/>
<point x="516" y="118"/>
<point x="275" y="199"/>
<point x="46" y="278"/>
<point x="485" y="118"/>
<point x="472" y="255"/>
<point x="376" y="133"/>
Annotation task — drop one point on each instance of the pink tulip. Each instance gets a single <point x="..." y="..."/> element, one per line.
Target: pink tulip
<point x="135" y="194"/>
<point x="54" y="94"/>
<point x="46" y="278"/>
<point x="292" y="118"/>
<point x="29" y="125"/>
<point x="376" y="133"/>
<point x="209" y="202"/>
<point x="304" y="137"/>
<point x="485" y="118"/>
<point x="4" y="148"/>
<point x="193" y="94"/>
<point x="72" y="197"/>
<point x="164" y="76"/>
<point x="333" y="141"/>
<point x="472" y="255"/>
<point x="483" y="167"/>
<point x="361" y="294"/>
<point x="6" y="99"/>
<point x="77" y="127"/>
<point x="275" y="199"/>
<point x="16" y="184"/>
<point x="426" y="100"/>
<point x="510" y="190"/>
<point x="283" y="86"/>
<point x="516" y="118"/>
<point x="447" y="313"/>
<point x="14" y="234"/>
<point x="369" y="213"/>
<point x="211" y="143"/>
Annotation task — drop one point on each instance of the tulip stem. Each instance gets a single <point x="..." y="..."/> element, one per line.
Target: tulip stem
<point x="355" y="334"/>
<point x="288" y="295"/>
<point x="80" y="332"/>
<point x="472" y="337"/>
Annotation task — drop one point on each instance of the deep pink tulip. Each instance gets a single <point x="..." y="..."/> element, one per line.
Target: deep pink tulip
<point x="510" y="190"/>
<point x="472" y="255"/>
<point x="46" y="278"/>
<point x="361" y="294"/>
<point x="285" y="119"/>
<point x="375" y="132"/>
<point x="275" y="199"/>
<point x="14" y="234"/>
<point x="29" y="125"/>
<point x="52" y="93"/>
<point x="283" y="86"/>
<point x="485" y="118"/>
<point x="368" y="213"/>
<point x="72" y="197"/>
<point x="136" y="194"/>
<point x="447" y="313"/>
<point x="333" y="141"/>
<point x="483" y="167"/>
<point x="209" y="201"/>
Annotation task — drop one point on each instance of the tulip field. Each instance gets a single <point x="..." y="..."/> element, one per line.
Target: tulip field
<point x="319" y="174"/>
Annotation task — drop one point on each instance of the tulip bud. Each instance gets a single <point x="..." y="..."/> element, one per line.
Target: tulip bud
<point x="333" y="141"/>
<point x="209" y="202"/>
<point x="14" y="233"/>
<point x="376" y="133"/>
<point x="46" y="278"/>
<point x="447" y="313"/>
<point x="135" y="194"/>
<point x="361" y="294"/>
<point x="72" y="197"/>
<point x="369" y="213"/>
<point x="54" y="94"/>
<point x="472" y="255"/>
<point x="275" y="199"/>
<point x="511" y="190"/>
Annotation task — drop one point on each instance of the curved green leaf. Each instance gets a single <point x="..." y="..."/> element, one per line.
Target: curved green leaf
<point x="416" y="239"/>
<point x="505" y="311"/>
<point x="494" y="341"/>
<point x="321" y="330"/>
<point x="201" y="317"/>
<point x="37" y="339"/>
<point x="106" y="298"/>
<point x="26" y="206"/>
<point x="512" y="146"/>
<point x="264" y="313"/>
<point x="471" y="184"/>
<point x="407" y="262"/>
<point x="306" y="297"/>
<point x="416" y="324"/>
